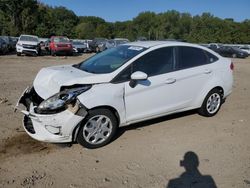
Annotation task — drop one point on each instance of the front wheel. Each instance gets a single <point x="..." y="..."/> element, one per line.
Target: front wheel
<point x="98" y="128"/>
<point x="211" y="104"/>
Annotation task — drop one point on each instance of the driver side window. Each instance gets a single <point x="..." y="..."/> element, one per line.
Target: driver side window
<point x="159" y="61"/>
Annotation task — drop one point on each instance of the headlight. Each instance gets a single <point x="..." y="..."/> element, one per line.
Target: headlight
<point x="60" y="100"/>
<point x="18" y="44"/>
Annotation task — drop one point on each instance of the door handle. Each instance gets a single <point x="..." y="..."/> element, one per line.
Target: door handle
<point x="170" y="81"/>
<point x="207" y="71"/>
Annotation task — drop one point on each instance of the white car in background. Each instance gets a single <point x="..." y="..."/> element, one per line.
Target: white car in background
<point x="134" y="82"/>
<point x="28" y="44"/>
<point x="245" y="49"/>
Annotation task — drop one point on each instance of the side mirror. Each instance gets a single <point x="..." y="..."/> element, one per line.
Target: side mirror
<point x="137" y="76"/>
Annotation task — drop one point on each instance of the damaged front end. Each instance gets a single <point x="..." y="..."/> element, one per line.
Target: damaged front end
<point x="53" y="119"/>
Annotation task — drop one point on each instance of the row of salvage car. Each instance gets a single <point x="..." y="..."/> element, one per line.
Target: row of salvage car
<point x="55" y="45"/>
<point x="61" y="45"/>
<point x="234" y="51"/>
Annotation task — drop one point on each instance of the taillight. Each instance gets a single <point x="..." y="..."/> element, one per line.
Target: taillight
<point x="232" y="66"/>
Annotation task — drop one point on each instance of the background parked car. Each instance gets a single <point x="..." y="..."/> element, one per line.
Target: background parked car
<point x="228" y="51"/>
<point x="116" y="42"/>
<point x="10" y="43"/>
<point x="14" y="39"/>
<point x="60" y="45"/>
<point x="3" y="47"/>
<point x="215" y="47"/>
<point x="79" y="46"/>
<point x="28" y="44"/>
<point x="98" y="45"/>
<point x="245" y="49"/>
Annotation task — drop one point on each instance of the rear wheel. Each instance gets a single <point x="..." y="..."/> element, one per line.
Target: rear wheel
<point x="211" y="104"/>
<point x="98" y="128"/>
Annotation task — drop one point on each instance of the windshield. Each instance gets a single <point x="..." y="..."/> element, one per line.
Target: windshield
<point x="110" y="60"/>
<point x="61" y="39"/>
<point x="29" y="38"/>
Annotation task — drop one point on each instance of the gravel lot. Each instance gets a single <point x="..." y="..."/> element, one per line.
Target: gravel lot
<point x="143" y="155"/>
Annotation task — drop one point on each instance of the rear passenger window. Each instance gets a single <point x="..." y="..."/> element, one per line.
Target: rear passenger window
<point x="190" y="57"/>
<point x="157" y="62"/>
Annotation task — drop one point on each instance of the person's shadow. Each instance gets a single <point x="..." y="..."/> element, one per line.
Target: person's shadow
<point x="191" y="178"/>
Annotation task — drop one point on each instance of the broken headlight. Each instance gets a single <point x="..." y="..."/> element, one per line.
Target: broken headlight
<point x="59" y="101"/>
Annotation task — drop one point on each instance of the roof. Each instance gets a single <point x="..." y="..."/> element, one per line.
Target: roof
<point x="149" y="44"/>
<point x="30" y="36"/>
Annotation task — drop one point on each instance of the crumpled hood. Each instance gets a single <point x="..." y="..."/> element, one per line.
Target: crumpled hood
<point x="49" y="80"/>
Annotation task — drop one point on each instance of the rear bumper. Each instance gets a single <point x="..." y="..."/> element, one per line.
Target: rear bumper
<point x="55" y="128"/>
<point x="62" y="49"/>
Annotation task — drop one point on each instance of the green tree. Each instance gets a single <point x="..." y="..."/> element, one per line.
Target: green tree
<point x="85" y="31"/>
<point x="20" y="15"/>
<point x="33" y="17"/>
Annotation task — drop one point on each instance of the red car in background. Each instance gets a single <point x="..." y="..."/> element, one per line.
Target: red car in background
<point x="60" y="45"/>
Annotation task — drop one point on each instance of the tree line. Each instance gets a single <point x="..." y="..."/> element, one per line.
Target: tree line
<point x="33" y="17"/>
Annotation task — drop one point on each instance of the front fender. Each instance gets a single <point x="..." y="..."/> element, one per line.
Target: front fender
<point x="106" y="94"/>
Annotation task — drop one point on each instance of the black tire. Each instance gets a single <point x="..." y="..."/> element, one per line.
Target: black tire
<point x="92" y="114"/>
<point x="18" y="54"/>
<point x="204" y="110"/>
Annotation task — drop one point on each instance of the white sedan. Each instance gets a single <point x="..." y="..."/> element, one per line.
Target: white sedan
<point x="89" y="101"/>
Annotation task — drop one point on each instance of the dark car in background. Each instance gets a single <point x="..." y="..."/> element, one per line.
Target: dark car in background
<point x="98" y="45"/>
<point x="3" y="46"/>
<point x="79" y="46"/>
<point x="228" y="51"/>
<point x="9" y="42"/>
<point x="60" y="45"/>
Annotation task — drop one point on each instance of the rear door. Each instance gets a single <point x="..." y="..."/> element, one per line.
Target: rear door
<point x="193" y="71"/>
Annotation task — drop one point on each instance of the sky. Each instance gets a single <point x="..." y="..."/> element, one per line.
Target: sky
<point x="122" y="10"/>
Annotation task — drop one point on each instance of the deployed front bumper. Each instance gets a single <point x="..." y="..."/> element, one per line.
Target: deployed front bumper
<point x="21" y="49"/>
<point x="56" y="128"/>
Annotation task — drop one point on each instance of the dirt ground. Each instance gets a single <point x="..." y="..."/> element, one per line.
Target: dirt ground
<point x="143" y="155"/>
